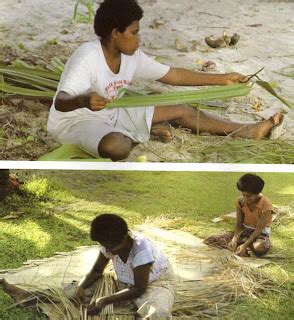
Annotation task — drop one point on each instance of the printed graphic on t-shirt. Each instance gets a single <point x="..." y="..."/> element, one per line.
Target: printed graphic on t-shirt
<point x="112" y="88"/>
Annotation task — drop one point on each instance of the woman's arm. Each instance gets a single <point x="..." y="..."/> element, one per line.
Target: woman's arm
<point x="262" y="222"/>
<point x="141" y="280"/>
<point x="65" y="102"/>
<point x="184" y="77"/>
<point x="95" y="272"/>
<point x="91" y="277"/>
<point x="238" y="229"/>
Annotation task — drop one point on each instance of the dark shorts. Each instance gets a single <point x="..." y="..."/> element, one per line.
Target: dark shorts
<point x="222" y="240"/>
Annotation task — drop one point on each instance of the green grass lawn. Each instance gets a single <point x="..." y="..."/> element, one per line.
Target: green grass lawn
<point x="59" y="205"/>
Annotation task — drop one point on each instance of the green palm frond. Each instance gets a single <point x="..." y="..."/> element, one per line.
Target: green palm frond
<point x="6" y="88"/>
<point x="35" y="82"/>
<point x="26" y="80"/>
<point x="30" y="71"/>
<point x="81" y="17"/>
<point x="178" y="97"/>
<point x="265" y="85"/>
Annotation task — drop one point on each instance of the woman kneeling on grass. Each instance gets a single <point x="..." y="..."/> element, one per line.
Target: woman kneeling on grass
<point x="254" y="219"/>
<point x="142" y="270"/>
<point x="98" y="69"/>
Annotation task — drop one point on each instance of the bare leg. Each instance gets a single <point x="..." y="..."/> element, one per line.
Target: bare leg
<point x="22" y="297"/>
<point x="18" y="294"/>
<point x="115" y="146"/>
<point x="200" y="121"/>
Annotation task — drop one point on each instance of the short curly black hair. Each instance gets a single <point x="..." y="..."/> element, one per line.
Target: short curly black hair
<point x="116" y="14"/>
<point x="251" y="183"/>
<point x="108" y="228"/>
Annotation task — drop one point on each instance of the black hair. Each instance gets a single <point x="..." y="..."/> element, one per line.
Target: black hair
<point x="108" y="228"/>
<point x="116" y="14"/>
<point x="250" y="183"/>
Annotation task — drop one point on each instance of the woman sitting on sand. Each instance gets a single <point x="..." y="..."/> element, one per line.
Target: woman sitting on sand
<point x="98" y="69"/>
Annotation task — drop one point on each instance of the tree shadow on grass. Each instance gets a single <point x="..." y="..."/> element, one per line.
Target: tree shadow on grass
<point x="171" y="190"/>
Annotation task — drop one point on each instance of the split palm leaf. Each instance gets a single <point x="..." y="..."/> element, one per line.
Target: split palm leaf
<point x="25" y="80"/>
<point x="265" y="85"/>
<point x="179" y="97"/>
<point x="22" y="79"/>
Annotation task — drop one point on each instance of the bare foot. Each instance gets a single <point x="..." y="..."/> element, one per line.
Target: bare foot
<point x="261" y="129"/>
<point x="161" y="132"/>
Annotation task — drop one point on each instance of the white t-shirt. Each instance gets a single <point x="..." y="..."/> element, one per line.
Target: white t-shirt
<point x="144" y="251"/>
<point x="87" y="71"/>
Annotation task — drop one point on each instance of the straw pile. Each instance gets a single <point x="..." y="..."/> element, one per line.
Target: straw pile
<point x="58" y="304"/>
<point x="105" y="286"/>
<point x="190" y="148"/>
<point x="216" y="296"/>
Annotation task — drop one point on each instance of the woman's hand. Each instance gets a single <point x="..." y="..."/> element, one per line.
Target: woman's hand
<point x="241" y="250"/>
<point x="233" y="244"/>
<point x="97" y="102"/>
<point x="97" y="306"/>
<point x="234" y="77"/>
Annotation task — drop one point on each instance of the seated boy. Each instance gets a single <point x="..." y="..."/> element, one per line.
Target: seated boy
<point x="98" y="69"/>
<point x="143" y="272"/>
<point x="254" y="219"/>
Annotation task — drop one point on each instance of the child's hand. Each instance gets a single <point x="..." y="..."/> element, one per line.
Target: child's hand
<point x="233" y="245"/>
<point x="96" y="307"/>
<point x="97" y="102"/>
<point x="234" y="77"/>
<point x="241" y="250"/>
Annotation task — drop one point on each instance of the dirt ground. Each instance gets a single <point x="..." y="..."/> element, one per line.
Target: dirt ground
<point x="37" y="30"/>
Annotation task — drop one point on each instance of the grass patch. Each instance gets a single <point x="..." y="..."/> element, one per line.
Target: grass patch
<point x="58" y="207"/>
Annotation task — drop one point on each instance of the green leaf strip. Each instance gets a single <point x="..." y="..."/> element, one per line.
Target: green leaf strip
<point x="265" y="85"/>
<point x="190" y="96"/>
<point x="25" y="92"/>
<point x="26" y="71"/>
<point x="36" y="79"/>
<point x="12" y="81"/>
